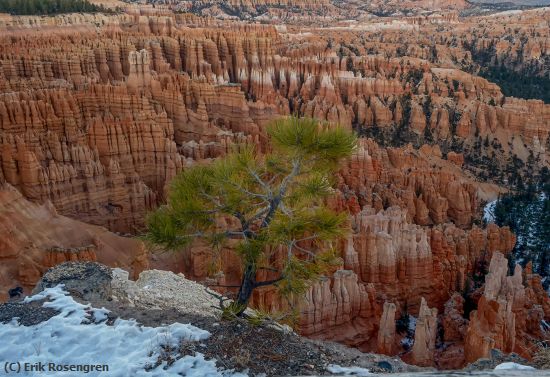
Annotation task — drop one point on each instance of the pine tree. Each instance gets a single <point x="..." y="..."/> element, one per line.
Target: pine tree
<point x="276" y="202"/>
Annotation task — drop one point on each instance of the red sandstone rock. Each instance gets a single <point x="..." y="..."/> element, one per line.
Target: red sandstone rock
<point x="505" y="313"/>
<point x="424" y="335"/>
<point x="386" y="333"/>
<point x="454" y="323"/>
<point x="35" y="237"/>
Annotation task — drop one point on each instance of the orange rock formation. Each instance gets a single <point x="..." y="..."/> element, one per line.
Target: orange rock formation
<point x="98" y="113"/>
<point x="35" y="237"/>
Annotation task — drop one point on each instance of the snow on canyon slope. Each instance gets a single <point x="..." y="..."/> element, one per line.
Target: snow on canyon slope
<point x="79" y="335"/>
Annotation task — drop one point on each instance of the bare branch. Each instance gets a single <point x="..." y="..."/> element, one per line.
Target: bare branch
<point x="308" y="252"/>
<point x="296" y="165"/>
<point x="258" y="214"/>
<point x="234" y="233"/>
<point x="224" y="286"/>
<point x="275" y="176"/>
<point x="220" y="298"/>
<point x="285" y="210"/>
<point x="242" y="189"/>
<point x="192" y="235"/>
<point x="268" y="269"/>
<point x="213" y="199"/>
<point x="242" y="220"/>
<point x="228" y="234"/>
<point x="268" y="282"/>
<point x="274" y="202"/>
<point x="260" y="181"/>
<point x="312" y="237"/>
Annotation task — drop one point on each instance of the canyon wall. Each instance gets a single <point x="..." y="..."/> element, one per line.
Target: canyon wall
<point x="34" y="237"/>
<point x="101" y="122"/>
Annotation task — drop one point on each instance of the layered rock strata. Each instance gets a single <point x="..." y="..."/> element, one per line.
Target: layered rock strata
<point x="101" y="133"/>
<point x="35" y="237"/>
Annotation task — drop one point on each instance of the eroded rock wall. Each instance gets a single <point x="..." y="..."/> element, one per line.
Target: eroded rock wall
<point x="35" y="237"/>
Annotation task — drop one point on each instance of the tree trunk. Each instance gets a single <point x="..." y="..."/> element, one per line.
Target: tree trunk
<point x="247" y="286"/>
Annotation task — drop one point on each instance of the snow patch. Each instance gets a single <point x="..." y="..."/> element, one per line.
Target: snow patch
<point x="408" y="340"/>
<point x="513" y="12"/>
<point x="348" y="371"/>
<point x="489" y="211"/>
<point x="513" y="366"/>
<point x="79" y="335"/>
<point x="412" y="324"/>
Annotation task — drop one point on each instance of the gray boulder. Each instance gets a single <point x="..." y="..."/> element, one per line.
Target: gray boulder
<point x="89" y="281"/>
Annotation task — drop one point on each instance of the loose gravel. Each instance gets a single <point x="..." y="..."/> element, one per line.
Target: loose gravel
<point x="157" y="289"/>
<point x="28" y="314"/>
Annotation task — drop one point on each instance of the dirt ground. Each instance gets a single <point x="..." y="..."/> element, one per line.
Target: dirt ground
<point x="240" y="346"/>
<point x="235" y="345"/>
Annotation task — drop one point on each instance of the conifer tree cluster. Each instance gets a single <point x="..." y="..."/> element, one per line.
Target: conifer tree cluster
<point x="49" y="7"/>
<point x="527" y="212"/>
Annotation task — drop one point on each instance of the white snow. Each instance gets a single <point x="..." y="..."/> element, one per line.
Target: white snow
<point x="513" y="366"/>
<point x="489" y="211"/>
<point x="412" y="323"/>
<point x="513" y="12"/>
<point x="348" y="371"/>
<point x="408" y="340"/>
<point x="80" y="336"/>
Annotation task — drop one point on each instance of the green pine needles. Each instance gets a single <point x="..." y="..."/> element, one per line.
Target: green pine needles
<point x="273" y="204"/>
